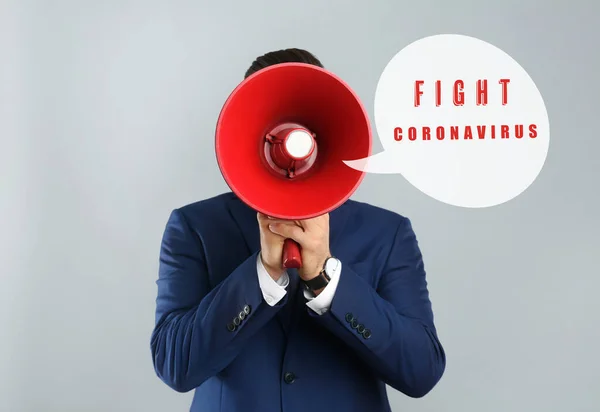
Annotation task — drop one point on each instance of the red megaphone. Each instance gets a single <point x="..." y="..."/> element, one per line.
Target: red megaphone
<point x="281" y="139"/>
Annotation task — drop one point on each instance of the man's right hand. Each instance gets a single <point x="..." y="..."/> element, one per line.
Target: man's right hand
<point x="271" y="247"/>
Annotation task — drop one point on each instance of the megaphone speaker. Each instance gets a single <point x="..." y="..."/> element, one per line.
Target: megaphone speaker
<point x="281" y="139"/>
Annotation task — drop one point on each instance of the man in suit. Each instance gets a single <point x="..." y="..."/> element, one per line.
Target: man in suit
<point x="246" y="335"/>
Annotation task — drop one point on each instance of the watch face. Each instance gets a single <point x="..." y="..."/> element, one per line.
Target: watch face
<point x="331" y="265"/>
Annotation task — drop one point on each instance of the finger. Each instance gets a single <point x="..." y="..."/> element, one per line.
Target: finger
<point x="262" y="216"/>
<point x="287" y="230"/>
<point x="283" y="221"/>
<point x="263" y="219"/>
<point x="315" y="222"/>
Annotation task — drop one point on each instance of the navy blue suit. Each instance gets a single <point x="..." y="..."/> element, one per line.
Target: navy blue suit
<point x="216" y="335"/>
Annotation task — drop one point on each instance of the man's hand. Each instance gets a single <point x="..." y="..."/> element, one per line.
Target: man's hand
<point x="271" y="247"/>
<point x="313" y="237"/>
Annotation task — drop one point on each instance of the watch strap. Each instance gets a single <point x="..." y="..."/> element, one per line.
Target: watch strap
<point x="319" y="281"/>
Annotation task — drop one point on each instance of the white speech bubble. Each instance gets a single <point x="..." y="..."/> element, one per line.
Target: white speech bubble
<point x="509" y="133"/>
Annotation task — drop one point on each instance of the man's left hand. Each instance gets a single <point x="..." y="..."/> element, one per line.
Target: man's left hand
<point x="313" y="237"/>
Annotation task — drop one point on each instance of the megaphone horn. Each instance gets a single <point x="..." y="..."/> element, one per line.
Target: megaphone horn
<point x="281" y="139"/>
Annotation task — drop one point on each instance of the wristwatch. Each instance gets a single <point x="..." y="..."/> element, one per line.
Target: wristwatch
<point x="324" y="276"/>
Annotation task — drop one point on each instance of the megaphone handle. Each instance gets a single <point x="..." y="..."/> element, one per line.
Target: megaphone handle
<point x="292" y="259"/>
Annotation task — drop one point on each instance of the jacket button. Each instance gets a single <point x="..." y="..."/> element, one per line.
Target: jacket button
<point x="349" y="317"/>
<point x="366" y="334"/>
<point x="354" y="323"/>
<point x="230" y="327"/>
<point x="242" y="315"/>
<point x="237" y="321"/>
<point x="289" y="377"/>
<point x="361" y="329"/>
<point x="247" y="309"/>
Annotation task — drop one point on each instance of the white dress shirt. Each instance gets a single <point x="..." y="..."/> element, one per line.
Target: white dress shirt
<point x="273" y="291"/>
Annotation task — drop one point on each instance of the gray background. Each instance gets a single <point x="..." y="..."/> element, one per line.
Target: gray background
<point x="107" y="113"/>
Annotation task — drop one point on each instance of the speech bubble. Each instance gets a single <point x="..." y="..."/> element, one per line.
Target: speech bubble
<point x="461" y="120"/>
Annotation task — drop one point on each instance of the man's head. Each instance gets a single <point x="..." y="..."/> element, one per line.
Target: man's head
<point x="282" y="56"/>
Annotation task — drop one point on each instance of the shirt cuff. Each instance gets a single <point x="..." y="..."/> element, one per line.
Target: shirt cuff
<point x="321" y="304"/>
<point x="272" y="291"/>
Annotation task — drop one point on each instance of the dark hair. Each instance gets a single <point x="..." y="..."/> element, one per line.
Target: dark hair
<point x="282" y="56"/>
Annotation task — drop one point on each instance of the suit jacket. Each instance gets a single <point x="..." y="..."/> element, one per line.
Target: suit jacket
<point x="216" y="335"/>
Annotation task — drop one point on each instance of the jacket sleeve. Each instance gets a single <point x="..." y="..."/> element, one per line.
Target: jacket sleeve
<point x="391" y="329"/>
<point x="199" y="331"/>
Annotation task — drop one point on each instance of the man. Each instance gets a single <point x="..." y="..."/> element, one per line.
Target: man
<point x="248" y="336"/>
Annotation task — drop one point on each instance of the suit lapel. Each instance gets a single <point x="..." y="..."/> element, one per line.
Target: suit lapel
<point x="337" y="221"/>
<point x="286" y="314"/>
<point x="245" y="218"/>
